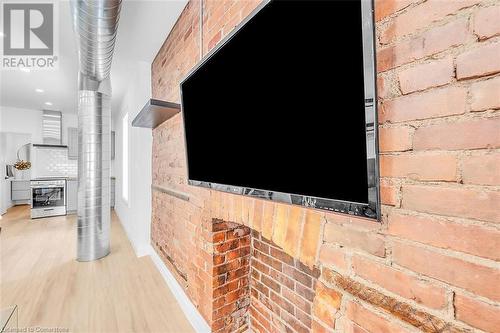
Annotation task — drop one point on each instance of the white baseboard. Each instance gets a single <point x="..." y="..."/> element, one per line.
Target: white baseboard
<point x="192" y="314"/>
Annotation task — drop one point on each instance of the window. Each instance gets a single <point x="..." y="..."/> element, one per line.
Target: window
<point x="125" y="157"/>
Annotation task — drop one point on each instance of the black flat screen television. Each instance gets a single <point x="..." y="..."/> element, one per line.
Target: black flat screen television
<point x="282" y="108"/>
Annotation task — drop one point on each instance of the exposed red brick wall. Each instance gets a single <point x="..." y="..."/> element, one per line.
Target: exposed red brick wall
<point x="283" y="289"/>
<point x="433" y="264"/>
<point x="231" y="293"/>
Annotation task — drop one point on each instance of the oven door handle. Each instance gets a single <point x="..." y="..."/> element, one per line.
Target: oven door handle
<point x="48" y="186"/>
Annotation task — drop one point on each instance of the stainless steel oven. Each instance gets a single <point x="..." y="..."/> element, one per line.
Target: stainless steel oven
<point x="48" y="198"/>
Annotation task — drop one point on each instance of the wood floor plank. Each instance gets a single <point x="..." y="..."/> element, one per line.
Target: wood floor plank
<point x="119" y="293"/>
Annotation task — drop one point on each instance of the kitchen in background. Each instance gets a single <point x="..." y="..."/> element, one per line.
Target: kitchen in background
<point x="49" y="181"/>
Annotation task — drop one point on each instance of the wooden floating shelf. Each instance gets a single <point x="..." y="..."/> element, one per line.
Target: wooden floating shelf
<point x="155" y="112"/>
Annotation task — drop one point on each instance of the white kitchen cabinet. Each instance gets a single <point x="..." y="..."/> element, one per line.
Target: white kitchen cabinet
<point x="72" y="143"/>
<point x="71" y="195"/>
<point x="20" y="192"/>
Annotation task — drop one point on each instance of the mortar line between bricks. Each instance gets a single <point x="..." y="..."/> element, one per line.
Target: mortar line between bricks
<point x="465" y="13"/>
<point x="273" y="314"/>
<point x="443" y="21"/>
<point x="295" y="281"/>
<point x="467" y="222"/>
<point x="391" y="317"/>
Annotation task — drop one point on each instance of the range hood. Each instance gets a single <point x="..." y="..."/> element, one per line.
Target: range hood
<point x="51" y="130"/>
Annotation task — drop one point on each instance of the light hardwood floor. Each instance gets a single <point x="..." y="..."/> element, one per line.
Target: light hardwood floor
<point x="119" y="293"/>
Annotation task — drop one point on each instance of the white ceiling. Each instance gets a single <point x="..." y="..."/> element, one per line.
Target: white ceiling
<point x="143" y="27"/>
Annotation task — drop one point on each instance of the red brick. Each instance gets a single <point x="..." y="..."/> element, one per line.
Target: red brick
<point x="219" y="237"/>
<point x="246" y="205"/>
<point x="268" y="219"/>
<point x="468" y="134"/>
<point x="324" y="313"/>
<point x="292" y="322"/>
<point x="262" y="247"/>
<point x="420" y="167"/>
<point x="256" y="325"/>
<point x="371" y="321"/>
<point x="237" y="233"/>
<point x="310" y="238"/>
<point x="314" y="272"/>
<point x="485" y="94"/>
<point x="218" y="259"/>
<point x="353" y="238"/>
<point x="429" y="43"/>
<point x="260" y="287"/>
<point x="481" y="169"/>
<point x="238" y="273"/>
<point x="245" y="241"/>
<point x="214" y="40"/>
<point x="393" y="139"/>
<point x="259" y="313"/>
<point x="398" y="282"/>
<point x="282" y="256"/>
<point x="221" y="269"/>
<point x="281" y="278"/>
<point x="257" y="215"/>
<point x="270" y="283"/>
<point x="481" y="280"/>
<point x="277" y="265"/>
<point x="431" y="104"/>
<point x="452" y="201"/>
<point x="293" y="232"/>
<point x="473" y="239"/>
<point x="427" y="75"/>
<point x="234" y="254"/>
<point x="280" y="224"/>
<point x="330" y="297"/>
<point x="389" y="194"/>
<point x="421" y="16"/>
<point x="383" y="88"/>
<point x="296" y="300"/>
<point x="316" y="327"/>
<point x="478" y="61"/>
<point x="261" y="308"/>
<point x="487" y="22"/>
<point x="384" y="8"/>
<point x="283" y="303"/>
<point x="477" y="314"/>
<point x="298" y="276"/>
<point x="350" y="327"/>
<point x="229" y="245"/>
<point x="334" y="257"/>
<point x="305" y="292"/>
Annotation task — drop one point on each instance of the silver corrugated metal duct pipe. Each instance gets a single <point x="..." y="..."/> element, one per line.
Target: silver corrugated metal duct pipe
<point x="95" y="23"/>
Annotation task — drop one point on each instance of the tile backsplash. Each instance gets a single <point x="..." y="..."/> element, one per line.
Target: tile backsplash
<point x="53" y="162"/>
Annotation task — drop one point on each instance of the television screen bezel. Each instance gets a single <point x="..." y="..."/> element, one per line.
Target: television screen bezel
<point x="370" y="210"/>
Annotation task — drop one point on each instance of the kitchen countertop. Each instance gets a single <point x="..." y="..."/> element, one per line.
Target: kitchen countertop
<point x="52" y="178"/>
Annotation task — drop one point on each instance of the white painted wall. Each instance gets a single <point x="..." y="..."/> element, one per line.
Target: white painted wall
<point x="135" y="215"/>
<point x="17" y="120"/>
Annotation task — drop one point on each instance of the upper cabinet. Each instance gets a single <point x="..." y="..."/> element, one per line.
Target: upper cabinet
<point x="72" y="143"/>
